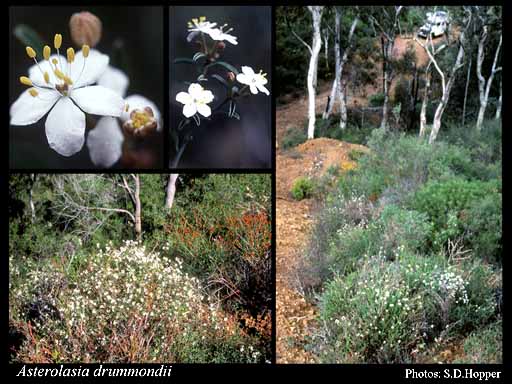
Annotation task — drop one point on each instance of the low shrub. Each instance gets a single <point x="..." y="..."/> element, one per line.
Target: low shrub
<point x="302" y="188"/>
<point x="128" y="305"/>
<point x="484" y="345"/>
<point x="447" y="203"/>
<point x="293" y="137"/>
<point x="389" y="312"/>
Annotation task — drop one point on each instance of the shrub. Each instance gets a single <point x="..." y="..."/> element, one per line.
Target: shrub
<point x="403" y="228"/>
<point x="302" y="188"/>
<point x="339" y="215"/>
<point x="484" y="227"/>
<point x="376" y="100"/>
<point x="130" y="305"/>
<point x="484" y="345"/>
<point x="447" y="202"/>
<point x="293" y="137"/>
<point x="388" y="312"/>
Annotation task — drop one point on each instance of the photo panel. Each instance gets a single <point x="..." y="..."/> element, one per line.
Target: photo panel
<point x="86" y="87"/>
<point x="220" y="101"/>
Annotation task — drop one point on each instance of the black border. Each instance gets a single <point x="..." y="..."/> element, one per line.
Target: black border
<point x="232" y="372"/>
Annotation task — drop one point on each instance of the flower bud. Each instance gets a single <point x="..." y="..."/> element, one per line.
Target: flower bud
<point x="221" y="45"/>
<point x="85" y="29"/>
<point x="231" y="76"/>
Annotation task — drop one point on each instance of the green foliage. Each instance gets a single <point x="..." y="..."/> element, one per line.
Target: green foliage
<point x="219" y="227"/>
<point x="376" y="100"/>
<point x="293" y="137"/>
<point x="446" y="203"/>
<point x="302" y="188"/>
<point x="383" y="310"/>
<point x="484" y="227"/>
<point x="484" y="345"/>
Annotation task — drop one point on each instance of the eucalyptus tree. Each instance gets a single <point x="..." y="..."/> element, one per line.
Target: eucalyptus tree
<point x="314" y="48"/>
<point x="338" y="91"/>
<point x="446" y="73"/>
<point x="488" y="19"/>
<point x="385" y="21"/>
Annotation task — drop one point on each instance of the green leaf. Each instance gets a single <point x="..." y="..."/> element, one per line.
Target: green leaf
<point x="28" y="37"/>
<point x="220" y="79"/>
<point x="198" y="56"/>
<point x="227" y="66"/>
<point x="184" y="60"/>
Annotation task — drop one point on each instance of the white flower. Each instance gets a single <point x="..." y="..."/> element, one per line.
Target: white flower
<point x="219" y="35"/>
<point x="105" y="141"/>
<point x="195" y="100"/>
<point x="64" y="84"/>
<point x="255" y="81"/>
<point x="199" y="25"/>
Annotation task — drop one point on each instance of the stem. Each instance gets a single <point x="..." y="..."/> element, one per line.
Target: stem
<point x="177" y="158"/>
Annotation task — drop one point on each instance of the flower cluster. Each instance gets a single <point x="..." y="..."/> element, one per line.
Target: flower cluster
<point x="129" y="304"/>
<point x="449" y="285"/>
<point x="195" y="101"/>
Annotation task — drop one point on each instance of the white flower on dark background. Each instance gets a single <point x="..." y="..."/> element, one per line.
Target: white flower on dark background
<point x="255" y="81"/>
<point x="196" y="100"/>
<point x="62" y="86"/>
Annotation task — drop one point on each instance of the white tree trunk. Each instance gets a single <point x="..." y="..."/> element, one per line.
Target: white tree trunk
<point x="498" y="107"/>
<point x="138" y="207"/>
<point x="447" y="87"/>
<point x="171" y="190"/>
<point x="484" y="85"/>
<point x="343" y="106"/>
<point x="384" y="121"/>
<point x="424" y="103"/>
<point x="466" y="92"/>
<point x="316" y="14"/>
<point x="337" y="63"/>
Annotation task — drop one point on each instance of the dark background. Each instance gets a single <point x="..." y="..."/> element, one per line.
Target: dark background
<point x="132" y="37"/>
<point x="223" y="142"/>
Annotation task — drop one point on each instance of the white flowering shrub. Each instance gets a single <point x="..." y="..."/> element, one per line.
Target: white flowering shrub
<point x="388" y="312"/>
<point x="132" y="305"/>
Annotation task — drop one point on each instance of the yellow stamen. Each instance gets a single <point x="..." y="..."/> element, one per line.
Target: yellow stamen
<point x="25" y="81"/>
<point x="126" y="107"/>
<point x="85" y="50"/>
<point x="33" y="92"/>
<point x="57" y="40"/>
<point x="30" y="52"/>
<point x="46" y="77"/>
<point x="47" y="52"/>
<point x="71" y="55"/>
<point x="59" y="74"/>
<point x="67" y="80"/>
<point x="202" y="19"/>
<point x="54" y="61"/>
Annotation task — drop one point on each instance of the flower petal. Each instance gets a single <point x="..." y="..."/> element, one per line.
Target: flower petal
<point x="98" y="100"/>
<point x="140" y="102"/>
<point x="242" y="78"/>
<point x="248" y="70"/>
<point x="105" y="142"/>
<point x="114" y="79"/>
<point x="35" y="72"/>
<point x="204" y="110"/>
<point x="95" y="65"/>
<point x="65" y="127"/>
<point x="28" y="109"/>
<point x="195" y="90"/>
<point x="207" y="96"/>
<point x="261" y="88"/>
<point x="189" y="110"/>
<point x="183" y="98"/>
<point x="253" y="89"/>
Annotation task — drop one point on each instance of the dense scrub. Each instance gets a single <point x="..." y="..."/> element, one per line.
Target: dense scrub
<point x="194" y="288"/>
<point x="406" y="254"/>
